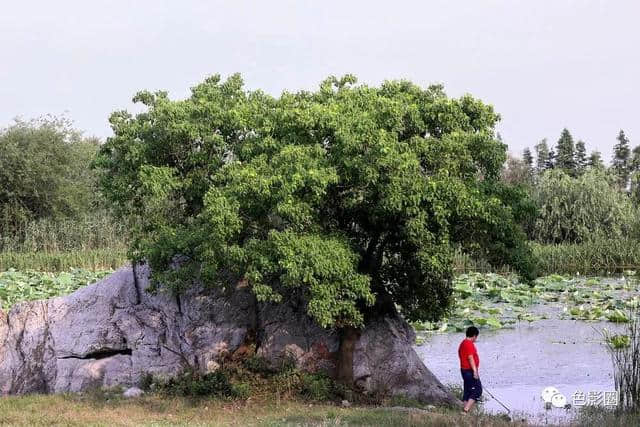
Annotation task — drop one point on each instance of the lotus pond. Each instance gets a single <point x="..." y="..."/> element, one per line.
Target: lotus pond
<point x="17" y="286"/>
<point x="549" y="333"/>
<point x="494" y="301"/>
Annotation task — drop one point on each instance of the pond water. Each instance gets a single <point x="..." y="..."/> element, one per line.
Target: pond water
<point x="518" y="362"/>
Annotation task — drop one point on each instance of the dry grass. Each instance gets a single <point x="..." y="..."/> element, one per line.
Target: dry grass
<point x="153" y="410"/>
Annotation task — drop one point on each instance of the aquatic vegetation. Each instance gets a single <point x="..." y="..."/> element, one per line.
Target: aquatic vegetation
<point x="618" y="341"/>
<point x="494" y="301"/>
<point x="17" y="286"/>
<point x="617" y="316"/>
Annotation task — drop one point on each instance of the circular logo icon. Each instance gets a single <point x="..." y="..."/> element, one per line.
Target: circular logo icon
<point x="558" y="400"/>
<point x="548" y="393"/>
<point x="552" y="396"/>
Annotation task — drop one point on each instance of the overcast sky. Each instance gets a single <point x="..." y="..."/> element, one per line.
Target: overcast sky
<point x="544" y="65"/>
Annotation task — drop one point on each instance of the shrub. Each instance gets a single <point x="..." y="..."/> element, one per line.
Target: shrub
<point x="258" y="365"/>
<point x="316" y="387"/>
<point x="241" y="390"/>
<point x="193" y="384"/>
<point x="578" y="209"/>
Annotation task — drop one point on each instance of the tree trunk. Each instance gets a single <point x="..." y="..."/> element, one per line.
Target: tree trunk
<point x="349" y="336"/>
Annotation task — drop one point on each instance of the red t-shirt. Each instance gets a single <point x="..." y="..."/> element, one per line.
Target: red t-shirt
<point x="468" y="348"/>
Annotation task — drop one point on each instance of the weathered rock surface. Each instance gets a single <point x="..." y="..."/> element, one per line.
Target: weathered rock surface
<point x="114" y="332"/>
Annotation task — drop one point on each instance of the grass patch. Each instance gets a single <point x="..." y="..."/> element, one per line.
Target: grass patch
<point x="89" y="259"/>
<point x="603" y="417"/>
<point x="92" y="231"/>
<point x="594" y="257"/>
<point x="599" y="256"/>
<point x="157" y="410"/>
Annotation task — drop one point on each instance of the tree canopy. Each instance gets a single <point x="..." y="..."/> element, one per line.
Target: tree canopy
<point x="565" y="153"/>
<point x="579" y="209"/>
<point x="621" y="159"/>
<point x="349" y="200"/>
<point x="45" y="171"/>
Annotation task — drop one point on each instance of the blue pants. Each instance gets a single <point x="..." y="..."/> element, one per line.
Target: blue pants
<point x="472" y="386"/>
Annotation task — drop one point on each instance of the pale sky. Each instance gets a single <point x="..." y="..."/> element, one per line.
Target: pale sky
<point x="544" y="65"/>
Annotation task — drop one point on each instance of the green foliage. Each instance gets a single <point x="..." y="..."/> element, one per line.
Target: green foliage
<point x="45" y="172"/>
<point x="316" y="387"/>
<point x="565" y="153"/>
<point x="517" y="172"/>
<point x="241" y="390"/>
<point x="598" y="255"/>
<point x="579" y="209"/>
<point x="87" y="232"/>
<point x="581" y="157"/>
<point x="634" y="191"/>
<point x="620" y="164"/>
<point x="17" y="286"/>
<point x="618" y="316"/>
<point x="595" y="160"/>
<point x="527" y="158"/>
<point x="625" y="355"/>
<point x="543" y="159"/>
<point x="347" y="200"/>
<point x="258" y="365"/>
<point x="410" y="402"/>
<point x="193" y="384"/>
<point x="93" y="259"/>
<point x="492" y="301"/>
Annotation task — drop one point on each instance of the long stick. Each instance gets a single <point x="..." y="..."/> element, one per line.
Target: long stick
<point x="496" y="399"/>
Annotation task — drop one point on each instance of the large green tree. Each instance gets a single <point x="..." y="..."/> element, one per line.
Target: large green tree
<point x="349" y="200"/>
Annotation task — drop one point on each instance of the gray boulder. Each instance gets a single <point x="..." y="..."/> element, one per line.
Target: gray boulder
<point x="114" y="332"/>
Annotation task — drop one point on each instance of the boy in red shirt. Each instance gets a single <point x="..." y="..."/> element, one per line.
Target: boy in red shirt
<point x="469" y="363"/>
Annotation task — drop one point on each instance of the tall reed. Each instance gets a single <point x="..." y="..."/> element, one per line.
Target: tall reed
<point x="626" y="365"/>
<point x="94" y="242"/>
<point x="596" y="256"/>
<point x="95" y="231"/>
<point x="92" y="259"/>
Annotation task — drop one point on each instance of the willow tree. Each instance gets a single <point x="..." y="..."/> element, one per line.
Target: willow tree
<point x="349" y="200"/>
<point x="579" y="209"/>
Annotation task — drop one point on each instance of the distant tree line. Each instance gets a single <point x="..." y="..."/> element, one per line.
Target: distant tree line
<point x="571" y="196"/>
<point x="577" y="197"/>
<point x="573" y="160"/>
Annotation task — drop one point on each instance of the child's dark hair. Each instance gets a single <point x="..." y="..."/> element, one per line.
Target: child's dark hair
<point x="472" y="331"/>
